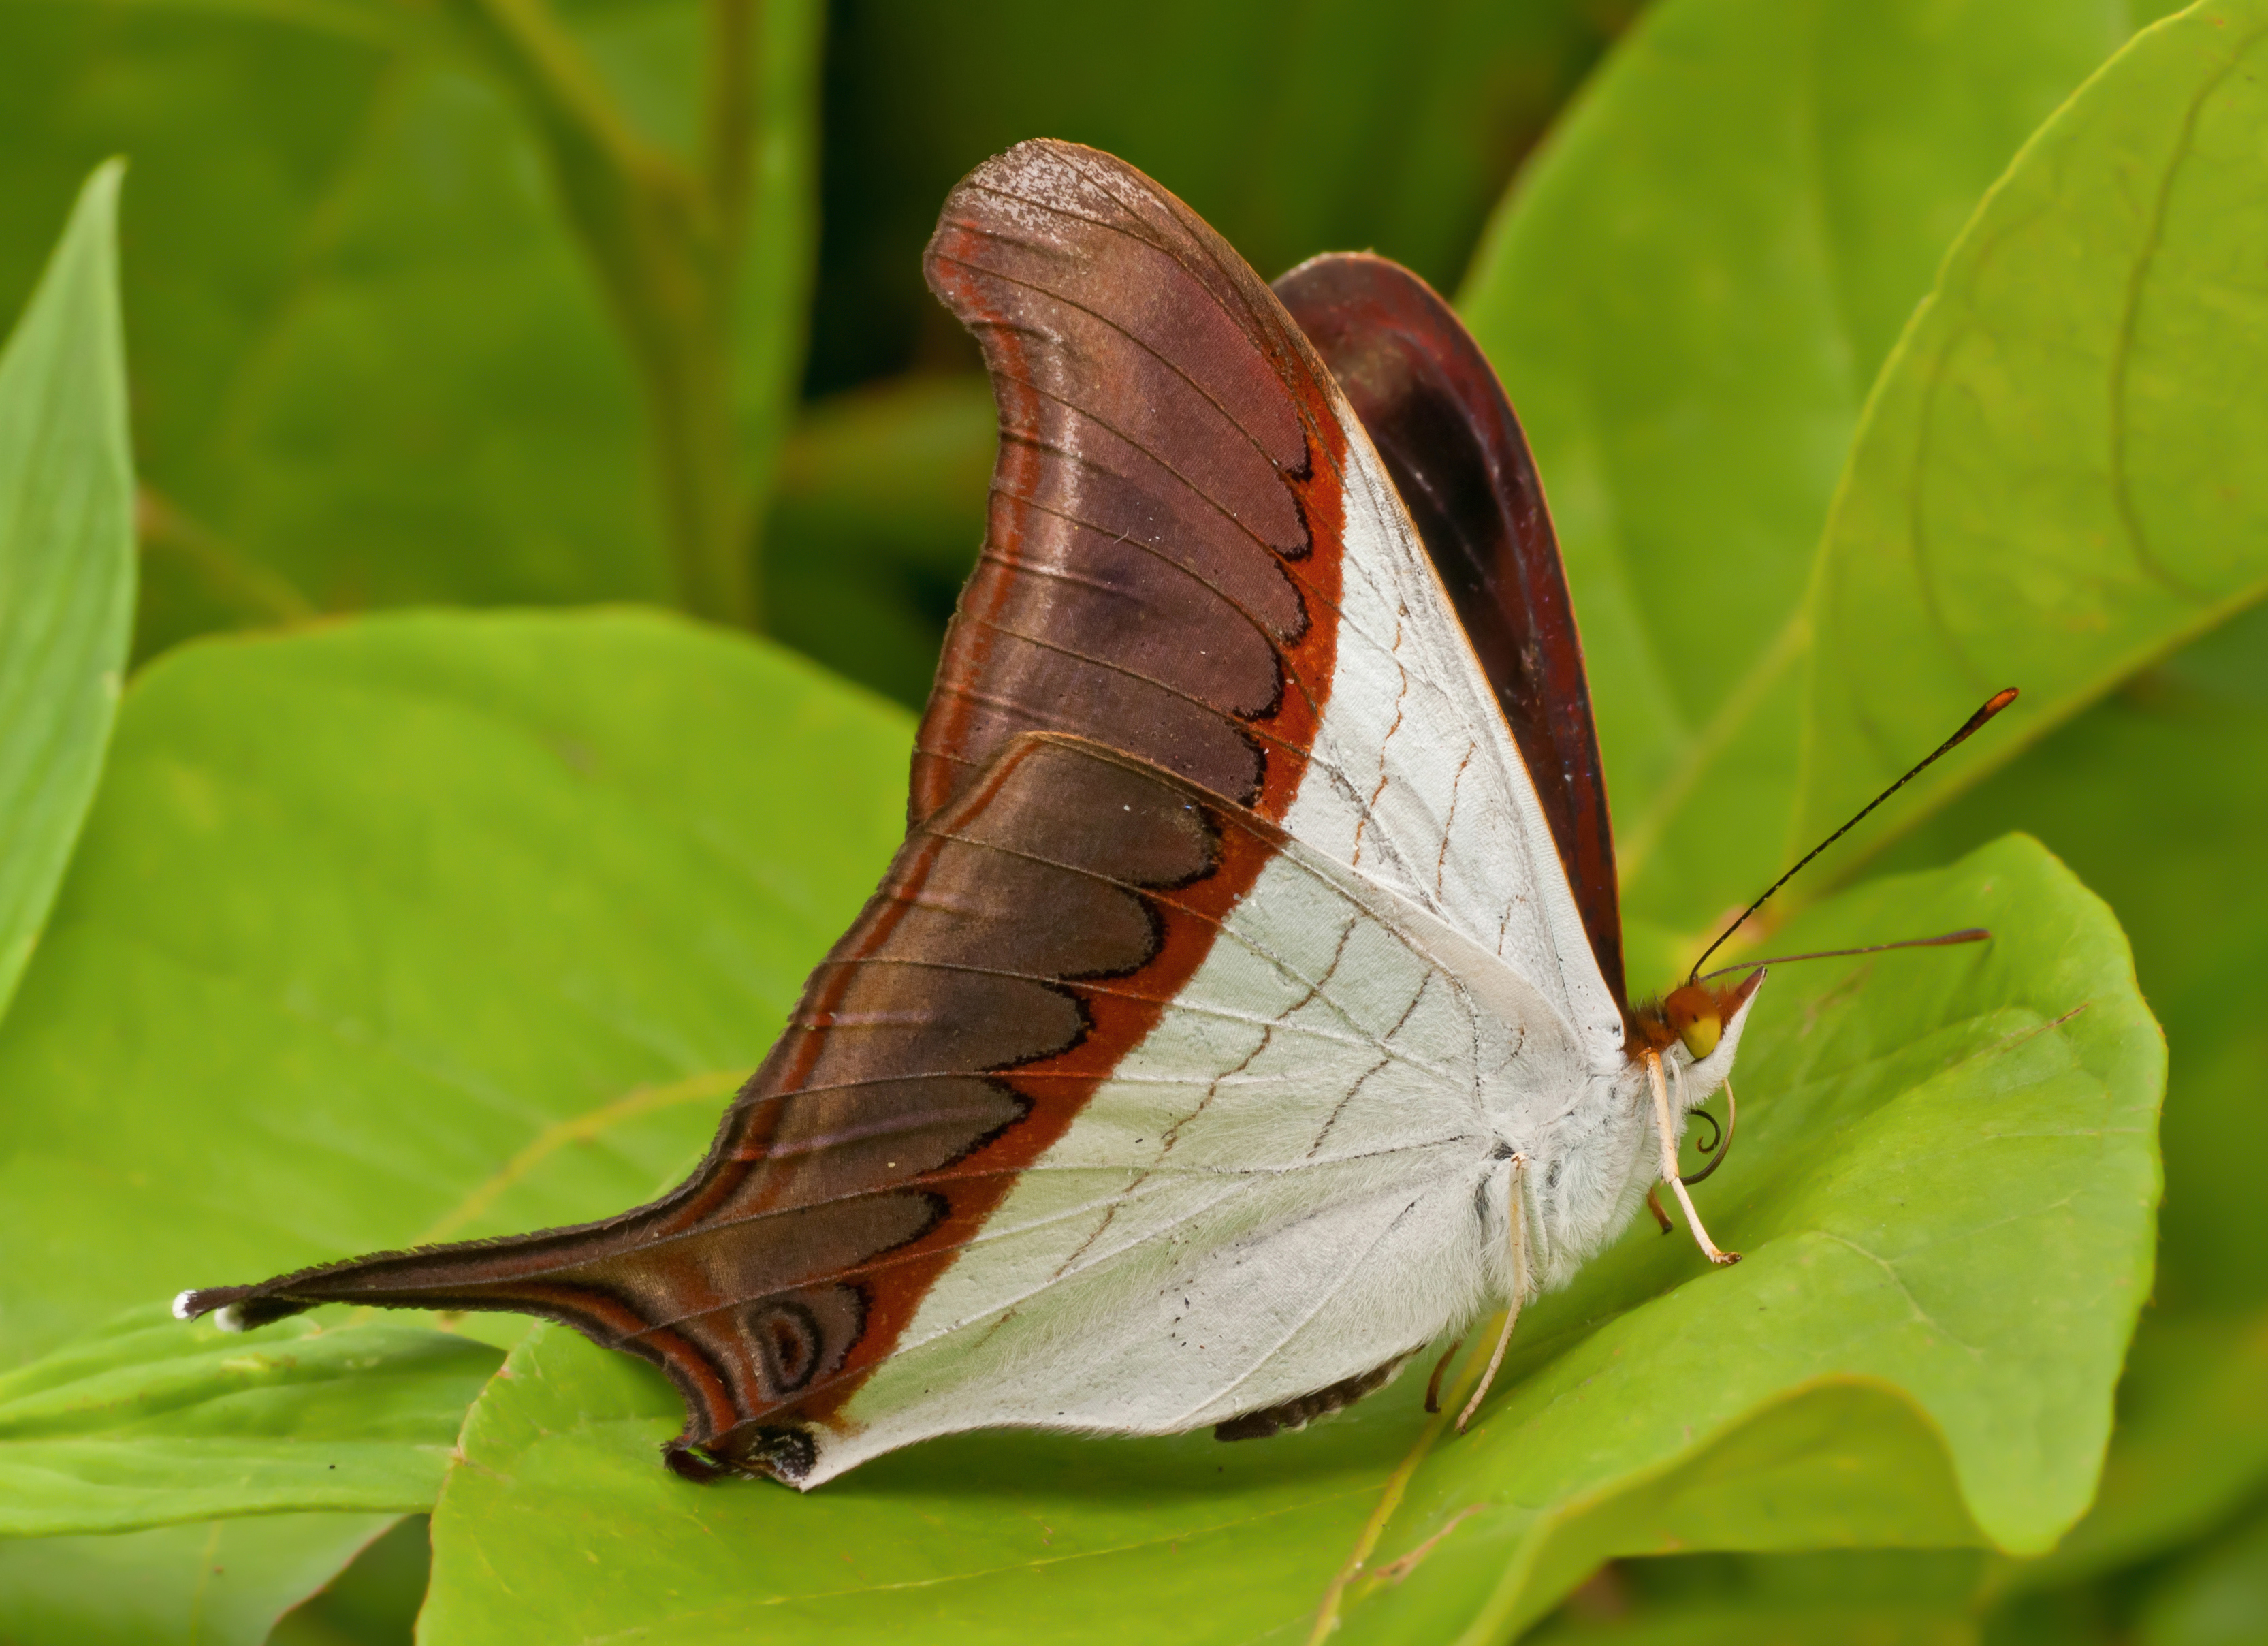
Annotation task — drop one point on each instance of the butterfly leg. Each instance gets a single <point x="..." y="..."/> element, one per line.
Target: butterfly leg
<point x="1669" y="1173"/>
<point x="1433" y="1384"/>
<point x="1517" y="1215"/>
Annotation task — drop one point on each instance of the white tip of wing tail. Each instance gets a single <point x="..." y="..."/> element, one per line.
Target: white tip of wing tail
<point x="181" y="1304"/>
<point x="229" y="1318"/>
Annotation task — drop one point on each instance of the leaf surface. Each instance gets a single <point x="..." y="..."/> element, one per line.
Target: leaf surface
<point x="1688" y="296"/>
<point x="66" y="561"/>
<point x="2058" y="477"/>
<point x="2154" y="797"/>
<point x="149" y="1424"/>
<point x="260" y="1035"/>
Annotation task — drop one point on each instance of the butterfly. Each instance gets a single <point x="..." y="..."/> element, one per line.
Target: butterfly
<point x="1245" y="1009"/>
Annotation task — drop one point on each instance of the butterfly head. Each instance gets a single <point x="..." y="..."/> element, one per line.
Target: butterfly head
<point x="1697" y="1017"/>
<point x="1703" y="1019"/>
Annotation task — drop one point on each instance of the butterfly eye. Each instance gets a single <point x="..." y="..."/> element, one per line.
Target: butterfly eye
<point x="1693" y="1014"/>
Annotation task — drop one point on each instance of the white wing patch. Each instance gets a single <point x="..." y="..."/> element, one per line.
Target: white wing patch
<point x="1414" y="779"/>
<point x="1280" y="1188"/>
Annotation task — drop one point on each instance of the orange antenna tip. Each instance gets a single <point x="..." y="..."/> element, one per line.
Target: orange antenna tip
<point x="1993" y="704"/>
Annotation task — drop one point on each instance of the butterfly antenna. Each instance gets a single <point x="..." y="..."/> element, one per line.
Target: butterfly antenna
<point x="1966" y="934"/>
<point x="1993" y="704"/>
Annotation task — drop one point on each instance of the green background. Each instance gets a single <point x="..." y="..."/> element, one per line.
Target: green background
<point x="442" y="875"/>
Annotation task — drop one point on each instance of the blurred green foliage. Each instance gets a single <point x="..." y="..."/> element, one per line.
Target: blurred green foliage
<point x="556" y="302"/>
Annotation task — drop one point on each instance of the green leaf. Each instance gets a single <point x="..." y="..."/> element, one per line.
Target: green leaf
<point x="2058" y="477"/>
<point x="1945" y="1189"/>
<point x="368" y="367"/>
<point x="2190" y="1449"/>
<point x="221" y="1585"/>
<point x="2153" y="796"/>
<point x="66" y="562"/>
<point x="436" y="408"/>
<point x="148" y="1423"/>
<point x="1687" y="297"/>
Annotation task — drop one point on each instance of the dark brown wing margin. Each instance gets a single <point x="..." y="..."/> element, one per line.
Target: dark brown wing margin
<point x="1160" y="569"/>
<point x="1432" y="405"/>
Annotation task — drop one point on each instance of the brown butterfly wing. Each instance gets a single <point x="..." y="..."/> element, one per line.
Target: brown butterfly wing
<point x="1161" y="556"/>
<point x="1432" y="405"/>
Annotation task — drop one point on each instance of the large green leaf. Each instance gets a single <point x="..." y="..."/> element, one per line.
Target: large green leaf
<point x="324" y="422"/>
<point x="437" y="409"/>
<point x="2185" y="1463"/>
<point x="220" y="1584"/>
<point x="1946" y="1198"/>
<point x="66" y="562"/>
<point x="2190" y="1449"/>
<point x="1687" y="297"/>
<point x="146" y="1423"/>
<point x="2060" y="474"/>
<point x="2155" y="796"/>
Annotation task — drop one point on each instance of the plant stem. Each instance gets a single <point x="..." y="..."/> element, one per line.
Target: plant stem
<point x="665" y="245"/>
